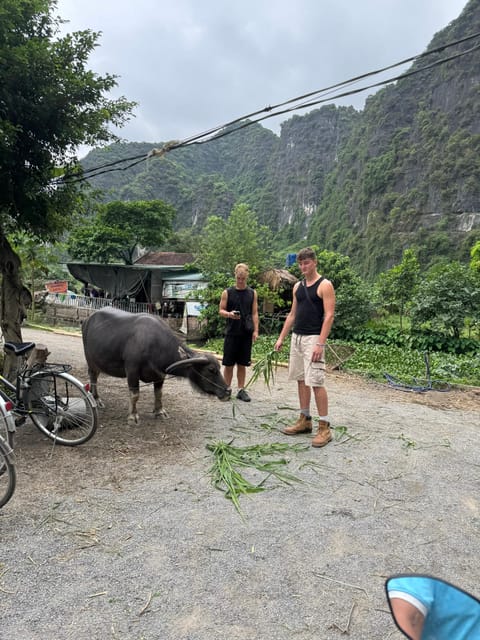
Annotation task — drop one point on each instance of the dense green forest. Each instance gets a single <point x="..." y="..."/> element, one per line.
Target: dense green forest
<point x="402" y="173"/>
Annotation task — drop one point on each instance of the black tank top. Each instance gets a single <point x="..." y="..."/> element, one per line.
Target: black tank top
<point x="310" y="311"/>
<point x="241" y="300"/>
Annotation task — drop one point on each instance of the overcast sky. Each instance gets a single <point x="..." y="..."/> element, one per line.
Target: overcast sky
<point x="196" y="64"/>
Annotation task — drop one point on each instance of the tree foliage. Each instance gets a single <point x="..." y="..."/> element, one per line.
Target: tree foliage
<point x="475" y="255"/>
<point x="50" y="103"/>
<point x="118" y="228"/>
<point x="240" y="238"/>
<point x="353" y="295"/>
<point x="183" y="241"/>
<point x="223" y="244"/>
<point x="97" y="242"/>
<point x="38" y="258"/>
<point x="397" y="285"/>
<point x="446" y="298"/>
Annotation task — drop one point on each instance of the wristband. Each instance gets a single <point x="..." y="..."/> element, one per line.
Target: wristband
<point x="319" y="344"/>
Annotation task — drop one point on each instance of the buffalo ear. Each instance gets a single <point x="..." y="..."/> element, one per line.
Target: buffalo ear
<point x="186" y="363"/>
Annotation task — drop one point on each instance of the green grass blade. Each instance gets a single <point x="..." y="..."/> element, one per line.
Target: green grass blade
<point x="229" y="460"/>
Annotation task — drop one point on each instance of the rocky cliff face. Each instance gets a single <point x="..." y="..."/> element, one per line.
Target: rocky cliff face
<point x="308" y="151"/>
<point x="403" y="172"/>
<point x="278" y="176"/>
<point x="409" y="175"/>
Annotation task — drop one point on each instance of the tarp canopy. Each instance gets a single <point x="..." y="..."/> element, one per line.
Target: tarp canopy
<point x="118" y="280"/>
<point x="191" y="310"/>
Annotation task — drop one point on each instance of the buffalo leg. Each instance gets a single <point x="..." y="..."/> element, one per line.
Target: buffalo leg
<point x="93" y="377"/>
<point x="132" y="409"/>
<point x="158" y="409"/>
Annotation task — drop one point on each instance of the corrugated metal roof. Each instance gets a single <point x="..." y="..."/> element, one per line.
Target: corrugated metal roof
<point x="165" y="259"/>
<point x="185" y="277"/>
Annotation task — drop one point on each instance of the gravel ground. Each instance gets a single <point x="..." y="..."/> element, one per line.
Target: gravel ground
<point x="125" y="537"/>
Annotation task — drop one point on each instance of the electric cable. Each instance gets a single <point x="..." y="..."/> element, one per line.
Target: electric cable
<point x="244" y="121"/>
<point x="341" y="95"/>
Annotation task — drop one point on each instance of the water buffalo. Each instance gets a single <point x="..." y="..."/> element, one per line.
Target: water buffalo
<point x="139" y="346"/>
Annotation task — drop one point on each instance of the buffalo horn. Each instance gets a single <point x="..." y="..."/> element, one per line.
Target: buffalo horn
<point x="181" y="364"/>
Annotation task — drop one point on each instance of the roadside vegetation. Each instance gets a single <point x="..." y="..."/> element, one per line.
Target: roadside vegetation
<point x="387" y="326"/>
<point x="374" y="361"/>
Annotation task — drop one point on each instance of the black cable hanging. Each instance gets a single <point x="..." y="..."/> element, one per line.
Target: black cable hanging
<point x="228" y="128"/>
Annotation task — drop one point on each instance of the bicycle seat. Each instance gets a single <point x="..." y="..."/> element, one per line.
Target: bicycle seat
<point x="18" y="348"/>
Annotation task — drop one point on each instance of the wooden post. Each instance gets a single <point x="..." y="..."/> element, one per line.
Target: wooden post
<point x="38" y="356"/>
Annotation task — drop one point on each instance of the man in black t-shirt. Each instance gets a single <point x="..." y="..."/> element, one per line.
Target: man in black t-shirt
<point x="239" y="306"/>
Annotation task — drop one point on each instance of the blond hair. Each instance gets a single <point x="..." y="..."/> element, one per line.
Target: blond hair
<point x="241" y="268"/>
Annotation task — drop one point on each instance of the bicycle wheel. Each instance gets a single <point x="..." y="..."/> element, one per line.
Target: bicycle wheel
<point x="440" y="385"/>
<point x="62" y="408"/>
<point x="400" y="385"/>
<point x="8" y="475"/>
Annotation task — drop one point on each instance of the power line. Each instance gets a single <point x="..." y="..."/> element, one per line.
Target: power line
<point x="334" y="86"/>
<point x="346" y="93"/>
<point x="275" y="110"/>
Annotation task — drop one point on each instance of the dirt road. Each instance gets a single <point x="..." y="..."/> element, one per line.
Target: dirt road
<point x="125" y="537"/>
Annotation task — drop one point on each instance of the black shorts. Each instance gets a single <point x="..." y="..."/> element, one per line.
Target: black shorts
<point x="237" y="350"/>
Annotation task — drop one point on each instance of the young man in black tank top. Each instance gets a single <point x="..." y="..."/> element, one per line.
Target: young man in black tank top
<point x="311" y="318"/>
<point x="236" y="304"/>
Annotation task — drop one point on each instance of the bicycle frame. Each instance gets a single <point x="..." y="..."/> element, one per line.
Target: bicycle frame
<point x="6" y="417"/>
<point x="8" y="475"/>
<point x="7" y="384"/>
<point x="16" y="397"/>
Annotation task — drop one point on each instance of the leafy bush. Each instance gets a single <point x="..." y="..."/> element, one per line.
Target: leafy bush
<point x="417" y="340"/>
<point x="446" y="298"/>
<point x="381" y="335"/>
<point x="403" y="363"/>
<point x="374" y="360"/>
<point x="434" y="341"/>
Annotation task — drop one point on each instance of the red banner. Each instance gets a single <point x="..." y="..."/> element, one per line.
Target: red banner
<point x="57" y="286"/>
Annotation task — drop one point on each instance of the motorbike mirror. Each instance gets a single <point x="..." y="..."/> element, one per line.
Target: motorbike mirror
<point x="427" y="608"/>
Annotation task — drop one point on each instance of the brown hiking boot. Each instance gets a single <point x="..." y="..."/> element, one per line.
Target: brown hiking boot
<point x="302" y="425"/>
<point x="324" y="435"/>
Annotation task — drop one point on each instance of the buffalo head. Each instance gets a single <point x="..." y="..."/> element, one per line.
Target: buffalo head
<point x="204" y="375"/>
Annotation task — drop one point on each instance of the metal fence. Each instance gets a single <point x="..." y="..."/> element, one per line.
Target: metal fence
<point x="87" y="302"/>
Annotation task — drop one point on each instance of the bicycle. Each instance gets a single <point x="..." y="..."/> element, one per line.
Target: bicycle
<point x="58" y="404"/>
<point x="8" y="475"/>
<point x="419" y="385"/>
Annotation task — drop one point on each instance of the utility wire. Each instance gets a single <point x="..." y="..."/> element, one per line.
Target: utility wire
<point x="334" y="86"/>
<point x="340" y="95"/>
<point x="198" y="139"/>
<point x="272" y="110"/>
<point x="113" y="163"/>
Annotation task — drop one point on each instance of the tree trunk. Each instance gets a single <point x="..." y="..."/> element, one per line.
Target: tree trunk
<point x="14" y="300"/>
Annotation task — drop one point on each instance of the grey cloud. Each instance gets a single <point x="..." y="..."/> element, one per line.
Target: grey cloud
<point x="194" y="65"/>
